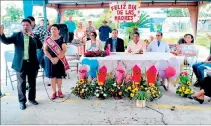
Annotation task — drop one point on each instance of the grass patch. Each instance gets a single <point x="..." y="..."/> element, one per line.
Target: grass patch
<point x="203" y="40"/>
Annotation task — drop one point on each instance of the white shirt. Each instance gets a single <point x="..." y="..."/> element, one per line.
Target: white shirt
<point x="189" y="49"/>
<point x="136" y="47"/>
<point x="153" y="47"/>
<point x="98" y="45"/>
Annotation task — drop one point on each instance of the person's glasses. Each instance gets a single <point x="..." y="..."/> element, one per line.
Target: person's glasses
<point x="92" y="35"/>
<point x="158" y="35"/>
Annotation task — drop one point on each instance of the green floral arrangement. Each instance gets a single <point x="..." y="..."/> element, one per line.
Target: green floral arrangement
<point x="117" y="90"/>
<point x="154" y="91"/>
<point x="83" y="89"/>
<point x="184" y="90"/>
<point x="130" y="88"/>
<point x="104" y="91"/>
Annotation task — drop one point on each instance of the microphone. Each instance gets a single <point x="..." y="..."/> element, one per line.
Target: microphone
<point x="27" y="33"/>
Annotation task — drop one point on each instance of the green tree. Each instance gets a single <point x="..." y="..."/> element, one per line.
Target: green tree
<point x="143" y="22"/>
<point x="104" y="17"/>
<point x="73" y="12"/>
<point x="176" y="12"/>
<point x="205" y="10"/>
<point x="13" y="14"/>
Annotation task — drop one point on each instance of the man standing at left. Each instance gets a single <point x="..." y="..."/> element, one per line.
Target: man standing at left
<point x="25" y="61"/>
<point x="41" y="34"/>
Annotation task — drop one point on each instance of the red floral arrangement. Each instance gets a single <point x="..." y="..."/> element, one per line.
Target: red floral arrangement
<point x="95" y="54"/>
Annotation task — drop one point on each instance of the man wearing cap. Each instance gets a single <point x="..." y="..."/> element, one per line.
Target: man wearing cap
<point x="104" y="32"/>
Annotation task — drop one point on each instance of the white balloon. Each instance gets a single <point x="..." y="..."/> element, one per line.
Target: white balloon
<point x="161" y="65"/>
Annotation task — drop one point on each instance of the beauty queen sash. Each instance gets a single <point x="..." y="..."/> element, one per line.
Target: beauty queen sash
<point x="56" y="49"/>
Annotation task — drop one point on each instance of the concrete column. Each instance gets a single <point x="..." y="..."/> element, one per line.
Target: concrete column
<point x="62" y="15"/>
<point x="27" y="8"/>
<point x="194" y="12"/>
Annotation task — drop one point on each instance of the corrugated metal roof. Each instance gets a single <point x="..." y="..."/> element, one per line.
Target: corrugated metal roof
<point x="107" y="1"/>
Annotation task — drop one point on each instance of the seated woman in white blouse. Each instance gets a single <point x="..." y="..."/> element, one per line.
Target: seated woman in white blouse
<point x="135" y="45"/>
<point x="188" y="49"/>
<point x="93" y="44"/>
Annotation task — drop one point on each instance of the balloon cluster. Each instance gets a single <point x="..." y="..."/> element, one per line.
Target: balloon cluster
<point x="168" y="68"/>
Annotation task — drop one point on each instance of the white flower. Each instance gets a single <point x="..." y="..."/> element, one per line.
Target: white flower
<point x="97" y="90"/>
<point x="104" y="95"/>
<point x="118" y="87"/>
<point x="114" y="84"/>
<point x="145" y="88"/>
<point x="82" y="89"/>
<point x="101" y="87"/>
<point x="97" y="95"/>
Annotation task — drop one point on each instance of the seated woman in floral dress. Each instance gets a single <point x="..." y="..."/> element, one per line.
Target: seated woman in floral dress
<point x="188" y="49"/>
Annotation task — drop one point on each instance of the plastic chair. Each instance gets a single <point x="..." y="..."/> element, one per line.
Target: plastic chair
<point x="72" y="57"/>
<point x="9" y="55"/>
<point x="188" y="67"/>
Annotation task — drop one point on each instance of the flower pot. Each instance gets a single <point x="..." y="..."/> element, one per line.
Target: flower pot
<point x="82" y="97"/>
<point x="117" y="97"/>
<point x="140" y="103"/>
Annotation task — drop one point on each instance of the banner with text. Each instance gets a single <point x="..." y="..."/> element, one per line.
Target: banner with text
<point x="124" y="11"/>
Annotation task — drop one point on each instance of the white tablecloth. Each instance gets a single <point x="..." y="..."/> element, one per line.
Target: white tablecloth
<point x="129" y="60"/>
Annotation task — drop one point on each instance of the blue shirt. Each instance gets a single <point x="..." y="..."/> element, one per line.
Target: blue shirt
<point x="71" y="26"/>
<point x="114" y="41"/>
<point x="104" y="32"/>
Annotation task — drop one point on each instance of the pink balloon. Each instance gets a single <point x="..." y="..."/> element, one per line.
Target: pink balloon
<point x="170" y="71"/>
<point x="162" y="74"/>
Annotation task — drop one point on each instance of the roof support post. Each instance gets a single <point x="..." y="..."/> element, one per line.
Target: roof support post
<point x="45" y="13"/>
<point x="194" y="12"/>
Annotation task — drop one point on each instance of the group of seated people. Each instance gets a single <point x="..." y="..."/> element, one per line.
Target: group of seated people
<point x="187" y="48"/>
<point x="202" y="81"/>
<point x="134" y="46"/>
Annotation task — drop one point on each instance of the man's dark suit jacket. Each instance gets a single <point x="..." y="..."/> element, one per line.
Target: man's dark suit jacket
<point x="119" y="45"/>
<point x="18" y="40"/>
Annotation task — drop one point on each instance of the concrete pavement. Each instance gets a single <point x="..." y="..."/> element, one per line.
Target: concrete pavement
<point x="94" y="111"/>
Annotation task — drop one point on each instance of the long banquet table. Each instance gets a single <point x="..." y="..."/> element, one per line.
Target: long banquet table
<point x="129" y="60"/>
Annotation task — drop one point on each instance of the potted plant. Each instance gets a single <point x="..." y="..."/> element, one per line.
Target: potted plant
<point x="141" y="98"/>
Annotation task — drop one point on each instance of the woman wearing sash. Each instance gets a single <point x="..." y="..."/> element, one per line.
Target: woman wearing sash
<point x="54" y="67"/>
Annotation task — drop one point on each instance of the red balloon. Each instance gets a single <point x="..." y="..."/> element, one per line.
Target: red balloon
<point x="170" y="71"/>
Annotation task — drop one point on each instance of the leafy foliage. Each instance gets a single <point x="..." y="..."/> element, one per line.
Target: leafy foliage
<point x="73" y="12"/>
<point x="13" y="14"/>
<point x="84" y="89"/>
<point x="143" y="22"/>
<point x="177" y="12"/>
<point x="103" y="17"/>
